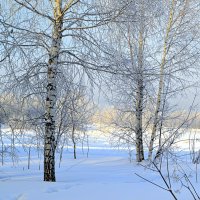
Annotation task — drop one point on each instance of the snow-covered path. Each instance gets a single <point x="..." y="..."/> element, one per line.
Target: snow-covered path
<point x="106" y="174"/>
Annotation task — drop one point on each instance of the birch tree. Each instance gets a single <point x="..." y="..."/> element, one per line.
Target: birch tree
<point x="158" y="103"/>
<point x="161" y="52"/>
<point x="132" y="57"/>
<point x="178" y="57"/>
<point x="46" y="37"/>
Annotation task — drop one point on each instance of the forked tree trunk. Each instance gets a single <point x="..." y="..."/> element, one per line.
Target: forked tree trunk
<point x="161" y="81"/>
<point x="49" y="143"/>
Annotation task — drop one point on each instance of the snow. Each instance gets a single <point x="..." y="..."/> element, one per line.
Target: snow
<point x="107" y="174"/>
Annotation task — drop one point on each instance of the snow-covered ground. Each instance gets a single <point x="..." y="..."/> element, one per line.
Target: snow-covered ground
<point x="106" y="174"/>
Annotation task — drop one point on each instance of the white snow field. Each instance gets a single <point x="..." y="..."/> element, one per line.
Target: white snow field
<point x="106" y="174"/>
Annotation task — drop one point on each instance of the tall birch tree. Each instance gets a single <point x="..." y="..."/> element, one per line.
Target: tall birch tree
<point x="46" y="37"/>
<point x="178" y="57"/>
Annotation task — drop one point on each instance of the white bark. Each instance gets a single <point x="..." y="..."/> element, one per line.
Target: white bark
<point x="140" y="90"/>
<point x="49" y="148"/>
<point x="139" y="103"/>
<point x="161" y="81"/>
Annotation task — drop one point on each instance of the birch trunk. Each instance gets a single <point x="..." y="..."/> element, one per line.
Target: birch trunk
<point x="139" y="102"/>
<point x="73" y="140"/>
<point x="49" y="143"/>
<point x="161" y="81"/>
<point x="140" y="88"/>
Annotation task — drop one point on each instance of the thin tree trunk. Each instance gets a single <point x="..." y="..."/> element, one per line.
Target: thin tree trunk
<point x="29" y="157"/>
<point x="161" y="81"/>
<point x="139" y="96"/>
<point x="139" y="101"/>
<point x="12" y="145"/>
<point x="49" y="143"/>
<point x="140" y="88"/>
<point x="73" y="140"/>
<point x="159" y="151"/>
